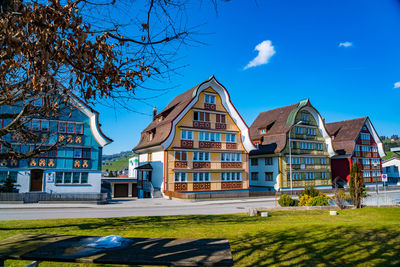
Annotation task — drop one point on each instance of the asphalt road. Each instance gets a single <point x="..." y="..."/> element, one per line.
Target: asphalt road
<point x="135" y="208"/>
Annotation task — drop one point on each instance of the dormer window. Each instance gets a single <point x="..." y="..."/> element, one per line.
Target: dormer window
<point x="209" y="99"/>
<point x="263" y="131"/>
<point x="151" y="134"/>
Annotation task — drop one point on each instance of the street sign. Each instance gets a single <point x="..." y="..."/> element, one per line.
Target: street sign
<point x="384" y="178"/>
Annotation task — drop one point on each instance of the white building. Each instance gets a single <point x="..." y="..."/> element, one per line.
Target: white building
<point x="391" y="169"/>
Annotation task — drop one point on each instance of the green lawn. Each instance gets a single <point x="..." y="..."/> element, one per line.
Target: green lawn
<point x="117" y="165"/>
<point x="365" y="237"/>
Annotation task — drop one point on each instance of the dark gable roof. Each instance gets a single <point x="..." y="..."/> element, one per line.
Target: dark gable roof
<point x="344" y="134"/>
<point x="162" y="129"/>
<point x="276" y="123"/>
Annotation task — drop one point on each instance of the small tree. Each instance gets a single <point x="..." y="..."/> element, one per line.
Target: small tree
<point x="356" y="185"/>
<point x="8" y="185"/>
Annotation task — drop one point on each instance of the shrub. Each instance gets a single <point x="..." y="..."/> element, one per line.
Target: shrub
<point x="318" y="201"/>
<point x="286" y="201"/>
<point x="311" y="191"/>
<point x="304" y="199"/>
<point x="340" y="199"/>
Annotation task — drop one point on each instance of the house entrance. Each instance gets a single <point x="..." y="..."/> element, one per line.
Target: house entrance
<point x="36" y="180"/>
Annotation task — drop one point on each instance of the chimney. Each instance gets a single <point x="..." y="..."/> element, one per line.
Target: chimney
<point x="154" y="113"/>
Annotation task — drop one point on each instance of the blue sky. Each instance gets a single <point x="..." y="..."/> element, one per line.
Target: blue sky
<point x="342" y="82"/>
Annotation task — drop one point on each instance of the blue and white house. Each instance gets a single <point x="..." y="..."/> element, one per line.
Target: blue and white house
<point x="74" y="167"/>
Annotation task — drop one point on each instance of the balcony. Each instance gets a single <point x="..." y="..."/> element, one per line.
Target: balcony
<point x="181" y="164"/>
<point x="202" y="124"/>
<point x="208" y="144"/>
<point x="202" y="186"/>
<point x="231" y="165"/>
<point x="187" y="143"/>
<point x="209" y="106"/>
<point x="201" y="165"/>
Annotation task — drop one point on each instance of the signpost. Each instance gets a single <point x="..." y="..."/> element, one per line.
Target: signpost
<point x="384" y="180"/>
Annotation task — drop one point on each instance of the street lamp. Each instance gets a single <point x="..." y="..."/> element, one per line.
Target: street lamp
<point x="290" y="157"/>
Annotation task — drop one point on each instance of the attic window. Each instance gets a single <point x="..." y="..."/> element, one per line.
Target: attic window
<point x="263" y="131"/>
<point x="160" y="118"/>
<point x="304" y="117"/>
<point x="151" y="134"/>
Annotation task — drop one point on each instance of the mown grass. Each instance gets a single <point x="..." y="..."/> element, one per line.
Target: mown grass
<point x="364" y="237"/>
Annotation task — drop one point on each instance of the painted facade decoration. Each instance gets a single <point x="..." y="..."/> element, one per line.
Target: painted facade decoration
<point x="198" y="143"/>
<point x="275" y="165"/>
<point x="356" y="141"/>
<point x="73" y="167"/>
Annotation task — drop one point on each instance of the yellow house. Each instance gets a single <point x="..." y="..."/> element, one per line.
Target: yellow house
<point x="197" y="147"/>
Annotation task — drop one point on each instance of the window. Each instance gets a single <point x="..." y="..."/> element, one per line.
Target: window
<point x="180" y="177"/>
<point x="323" y="175"/>
<point x="231" y="176"/>
<point x="67" y="177"/>
<point x="323" y="161"/>
<point x="230" y="138"/>
<point x="71" y="128"/>
<point x="231" y="157"/>
<point x="45" y="126"/>
<point x="201" y="116"/>
<point x="36" y="125"/>
<point x="86" y="153"/>
<point x="304" y="117"/>
<point x="210" y="99"/>
<point x="365" y="149"/>
<point x="76" y="177"/>
<point x="396" y="168"/>
<point x="299" y="130"/>
<point x="201" y="156"/>
<point x="358" y="148"/>
<point x="220" y="118"/>
<point x="186" y="135"/>
<point x="318" y="146"/>
<point x="365" y="136"/>
<point x="72" y="177"/>
<point x="294" y="160"/>
<point x="310" y="131"/>
<point x="375" y="162"/>
<point x="309" y="175"/>
<point x="79" y="128"/>
<point x="263" y="131"/>
<point x="77" y="153"/>
<point x="254" y="162"/>
<point x="54" y="126"/>
<point x="296" y="176"/>
<point x="388" y="169"/>
<point x="268" y="161"/>
<point x="254" y="176"/>
<point x="62" y="127"/>
<point x="308" y="161"/>
<point x="366" y="173"/>
<point x="365" y="161"/>
<point x="374" y="149"/>
<point x="268" y="176"/>
<point x="207" y="136"/>
<point x="201" y="177"/>
<point x="84" y="177"/>
<point x="304" y="145"/>
<point x="181" y="155"/>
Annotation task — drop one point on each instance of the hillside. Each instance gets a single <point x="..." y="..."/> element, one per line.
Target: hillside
<point x="117" y="161"/>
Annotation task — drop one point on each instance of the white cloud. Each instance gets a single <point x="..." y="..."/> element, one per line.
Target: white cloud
<point x="265" y="52"/>
<point x="396" y="85"/>
<point x="345" y="44"/>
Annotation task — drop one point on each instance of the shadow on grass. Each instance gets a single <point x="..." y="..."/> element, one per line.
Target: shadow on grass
<point x="134" y="222"/>
<point x="316" y="245"/>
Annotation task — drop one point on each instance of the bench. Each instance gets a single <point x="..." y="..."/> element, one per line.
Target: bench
<point x="140" y="251"/>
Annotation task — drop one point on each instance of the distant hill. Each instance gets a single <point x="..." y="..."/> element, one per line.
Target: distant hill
<point x="116" y="162"/>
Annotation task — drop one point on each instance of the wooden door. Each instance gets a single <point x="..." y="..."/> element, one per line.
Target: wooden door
<point x="134" y="190"/>
<point x="121" y="190"/>
<point x="36" y="180"/>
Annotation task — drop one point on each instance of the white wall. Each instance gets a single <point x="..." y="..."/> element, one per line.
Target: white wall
<point x="261" y="168"/>
<point x="133" y="163"/>
<point x="23" y="181"/>
<point x="93" y="185"/>
<point x="157" y="163"/>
